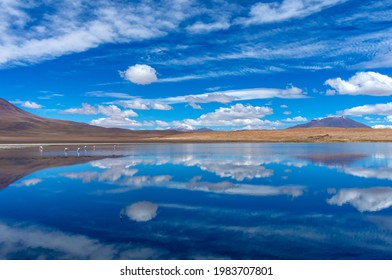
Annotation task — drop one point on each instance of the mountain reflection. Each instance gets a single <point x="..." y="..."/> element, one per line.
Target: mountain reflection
<point x="332" y="160"/>
<point x="14" y="168"/>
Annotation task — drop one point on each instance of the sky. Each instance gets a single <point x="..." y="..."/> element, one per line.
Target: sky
<point x="188" y="64"/>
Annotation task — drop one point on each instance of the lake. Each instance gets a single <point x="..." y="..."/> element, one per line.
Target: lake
<point x="198" y="201"/>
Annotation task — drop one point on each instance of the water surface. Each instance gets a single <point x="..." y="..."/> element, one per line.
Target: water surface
<point x="199" y="201"/>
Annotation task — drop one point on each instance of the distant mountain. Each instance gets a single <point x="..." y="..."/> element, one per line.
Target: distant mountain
<point x="17" y="125"/>
<point x="340" y="122"/>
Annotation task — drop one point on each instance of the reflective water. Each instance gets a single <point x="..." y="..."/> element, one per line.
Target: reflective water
<point x="199" y="201"/>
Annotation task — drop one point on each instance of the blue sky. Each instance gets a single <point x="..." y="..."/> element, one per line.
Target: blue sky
<point x="189" y="64"/>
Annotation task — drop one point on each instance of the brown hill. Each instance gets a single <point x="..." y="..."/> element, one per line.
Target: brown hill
<point x="19" y="126"/>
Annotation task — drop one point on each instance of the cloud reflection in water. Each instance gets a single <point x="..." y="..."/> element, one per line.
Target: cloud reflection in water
<point x="372" y="199"/>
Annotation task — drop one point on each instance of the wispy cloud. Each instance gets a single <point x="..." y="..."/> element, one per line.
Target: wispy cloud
<point x="261" y="13"/>
<point x="119" y="95"/>
<point x="50" y="96"/>
<point x="81" y="28"/>
<point x="240" y="94"/>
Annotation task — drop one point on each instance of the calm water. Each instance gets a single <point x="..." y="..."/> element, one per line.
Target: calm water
<point x="201" y="201"/>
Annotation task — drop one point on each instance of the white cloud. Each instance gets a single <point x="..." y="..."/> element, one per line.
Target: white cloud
<point x="31" y="105"/>
<point x="288" y="9"/>
<point x="160" y="106"/>
<point x="379" y="173"/>
<point x="86" y="109"/>
<point x="201" y="27"/>
<point x="109" y="94"/>
<point x="111" y="111"/>
<point x="115" y="117"/>
<point x="213" y="74"/>
<point x="144" y="104"/>
<point x="244" y="189"/>
<point x="51" y="243"/>
<point x="50" y="96"/>
<point x="236" y="115"/>
<point x="382" y="60"/>
<point x="118" y="122"/>
<point x="115" y="112"/>
<point x="366" y="83"/>
<point x="296" y="119"/>
<point x="29" y="182"/>
<point x="140" y="74"/>
<point x="383" y="109"/>
<point x="143" y="211"/>
<point x="381" y="126"/>
<point x="74" y="26"/>
<point x="372" y="199"/>
<point x="27" y="104"/>
<point x="240" y="94"/>
<point x="287" y="112"/>
<point x="284" y="106"/>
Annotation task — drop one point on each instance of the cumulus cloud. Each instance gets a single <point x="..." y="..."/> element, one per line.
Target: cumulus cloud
<point x="29" y="182"/>
<point x="372" y="199"/>
<point x="144" y="104"/>
<point x="114" y="112"/>
<point x="287" y="9"/>
<point x="143" y="211"/>
<point x="160" y="106"/>
<point x="86" y="109"/>
<point x="27" y="104"/>
<point x="213" y="97"/>
<point x="382" y="126"/>
<point x="366" y="83"/>
<point x="296" y="119"/>
<point x="383" y="109"/>
<point x="140" y="74"/>
<point x="31" y="105"/>
<point x="236" y="115"/>
<point x="115" y="117"/>
<point x="117" y="122"/>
